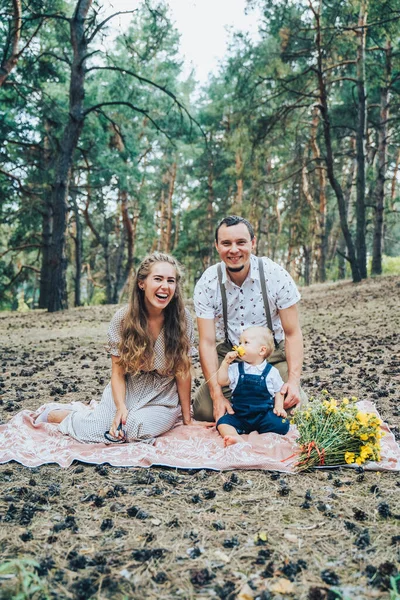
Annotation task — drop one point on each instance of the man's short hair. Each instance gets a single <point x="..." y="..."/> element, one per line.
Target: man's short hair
<point x="234" y="220"/>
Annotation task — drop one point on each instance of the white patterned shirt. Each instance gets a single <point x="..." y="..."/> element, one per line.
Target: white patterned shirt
<point x="245" y="302"/>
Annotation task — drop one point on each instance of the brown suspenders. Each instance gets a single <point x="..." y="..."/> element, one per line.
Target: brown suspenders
<point x="264" y="295"/>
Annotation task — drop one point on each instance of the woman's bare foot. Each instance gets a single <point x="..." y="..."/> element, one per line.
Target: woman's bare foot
<point x="229" y="440"/>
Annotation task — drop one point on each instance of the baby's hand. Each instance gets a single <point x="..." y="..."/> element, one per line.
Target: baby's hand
<point x="280" y="412"/>
<point x="230" y="357"/>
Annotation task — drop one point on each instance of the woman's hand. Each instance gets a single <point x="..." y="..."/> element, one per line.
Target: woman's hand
<point x="120" y="419"/>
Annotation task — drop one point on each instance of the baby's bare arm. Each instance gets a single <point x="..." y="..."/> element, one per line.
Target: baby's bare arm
<point x="222" y="374"/>
<point x="278" y="405"/>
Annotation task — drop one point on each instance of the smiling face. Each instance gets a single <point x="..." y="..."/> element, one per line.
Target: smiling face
<point x="234" y="247"/>
<point x="159" y="286"/>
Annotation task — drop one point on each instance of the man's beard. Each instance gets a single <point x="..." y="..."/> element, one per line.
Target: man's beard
<point x="235" y="269"/>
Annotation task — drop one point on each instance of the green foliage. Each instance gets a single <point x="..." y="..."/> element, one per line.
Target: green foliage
<point x="250" y="150"/>
<point x="98" y="297"/>
<point x="24" y="582"/>
<point x="390" y="265"/>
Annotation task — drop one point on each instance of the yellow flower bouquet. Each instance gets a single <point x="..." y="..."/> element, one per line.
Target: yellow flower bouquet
<point x="336" y="433"/>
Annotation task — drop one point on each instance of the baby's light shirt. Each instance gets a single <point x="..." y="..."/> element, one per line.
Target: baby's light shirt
<point x="273" y="380"/>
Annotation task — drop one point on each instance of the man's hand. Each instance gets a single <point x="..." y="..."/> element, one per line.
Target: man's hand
<point x="221" y="406"/>
<point x="120" y="417"/>
<point x="291" y="391"/>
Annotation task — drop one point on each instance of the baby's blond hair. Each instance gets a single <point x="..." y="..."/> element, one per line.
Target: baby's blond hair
<point x="264" y="334"/>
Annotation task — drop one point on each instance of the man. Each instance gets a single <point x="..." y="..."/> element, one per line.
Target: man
<point x="250" y="298"/>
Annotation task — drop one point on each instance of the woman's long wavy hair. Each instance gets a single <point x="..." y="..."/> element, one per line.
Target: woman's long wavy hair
<point x="137" y="346"/>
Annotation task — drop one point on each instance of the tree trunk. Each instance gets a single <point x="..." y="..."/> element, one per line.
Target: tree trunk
<point x="394" y="181"/>
<point x="119" y="272"/>
<point x="382" y="159"/>
<point x="321" y="249"/>
<point x="171" y="186"/>
<point x="161" y="238"/>
<point x="323" y="107"/>
<point x="209" y="243"/>
<point x="57" y="299"/>
<point x="47" y="223"/>
<point x="308" y="252"/>
<point x="78" y="250"/>
<point x="341" y="247"/>
<point x="177" y="227"/>
<point x="361" y="134"/>
<point x="7" y="64"/>
<point x="239" y="180"/>
<point x="130" y="226"/>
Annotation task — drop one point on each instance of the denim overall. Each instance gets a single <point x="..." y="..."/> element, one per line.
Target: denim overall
<point x="253" y="405"/>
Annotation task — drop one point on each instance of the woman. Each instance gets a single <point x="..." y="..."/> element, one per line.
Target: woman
<point x="149" y="342"/>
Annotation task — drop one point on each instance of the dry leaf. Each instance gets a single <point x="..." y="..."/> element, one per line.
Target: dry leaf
<point x="246" y="593"/>
<point x="290" y="537"/>
<point x="222" y="556"/>
<point x="282" y="586"/>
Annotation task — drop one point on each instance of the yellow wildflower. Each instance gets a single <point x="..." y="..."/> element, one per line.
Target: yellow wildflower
<point x="362" y="418"/>
<point x="240" y="350"/>
<point x="349" y="457"/>
<point x="345" y="401"/>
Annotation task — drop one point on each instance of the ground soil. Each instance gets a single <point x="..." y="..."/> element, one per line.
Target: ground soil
<point x="198" y="534"/>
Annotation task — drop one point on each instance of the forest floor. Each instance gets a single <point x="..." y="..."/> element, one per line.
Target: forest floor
<point x="330" y="534"/>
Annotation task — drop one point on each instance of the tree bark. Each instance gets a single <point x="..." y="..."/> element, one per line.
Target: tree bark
<point x="394" y="181"/>
<point x="376" y="268"/>
<point x="321" y="249"/>
<point x="57" y="299"/>
<point x="171" y="187"/>
<point x="239" y="180"/>
<point x="161" y="238"/>
<point x="361" y="134"/>
<point x="46" y="240"/>
<point x="323" y="107"/>
<point x="77" y="238"/>
<point x="347" y="184"/>
<point x="47" y="224"/>
<point x="308" y="252"/>
<point x="11" y="58"/>
<point x="130" y="226"/>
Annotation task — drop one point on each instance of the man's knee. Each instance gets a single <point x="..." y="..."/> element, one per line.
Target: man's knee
<point x="202" y="405"/>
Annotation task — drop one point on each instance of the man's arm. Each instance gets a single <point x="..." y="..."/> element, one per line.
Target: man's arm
<point x="294" y="354"/>
<point x="209" y="365"/>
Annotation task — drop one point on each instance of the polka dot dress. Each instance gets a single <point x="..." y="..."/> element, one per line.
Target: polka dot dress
<point x="151" y="398"/>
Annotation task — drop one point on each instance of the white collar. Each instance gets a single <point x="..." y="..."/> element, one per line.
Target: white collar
<point x="259" y="367"/>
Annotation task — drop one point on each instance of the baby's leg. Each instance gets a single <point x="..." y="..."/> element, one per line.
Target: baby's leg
<point x="229" y="434"/>
<point x="229" y="427"/>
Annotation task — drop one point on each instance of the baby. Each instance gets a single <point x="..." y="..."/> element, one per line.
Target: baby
<point x="255" y="385"/>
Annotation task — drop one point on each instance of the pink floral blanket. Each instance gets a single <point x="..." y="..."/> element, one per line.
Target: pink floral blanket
<point x="183" y="447"/>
